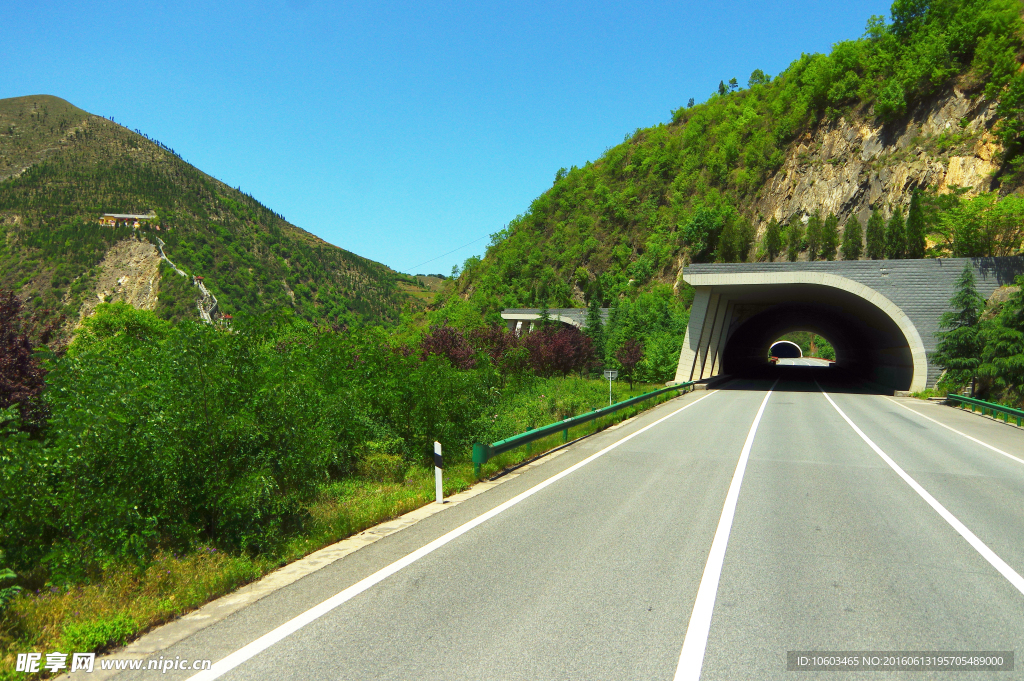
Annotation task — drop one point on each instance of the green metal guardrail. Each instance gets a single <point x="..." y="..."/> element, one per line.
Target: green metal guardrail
<point x="482" y="453"/>
<point x="995" y="409"/>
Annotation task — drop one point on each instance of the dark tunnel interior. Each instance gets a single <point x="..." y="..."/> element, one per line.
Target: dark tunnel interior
<point x="869" y="345"/>
<point x="785" y="349"/>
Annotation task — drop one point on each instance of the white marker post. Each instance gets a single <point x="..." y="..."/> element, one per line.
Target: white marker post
<point x="438" y="466"/>
<point x="611" y="375"/>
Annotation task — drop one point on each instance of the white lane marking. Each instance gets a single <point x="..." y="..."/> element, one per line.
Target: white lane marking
<point x="262" y="643"/>
<point x="988" y="554"/>
<point x="973" y="439"/>
<point x="691" y="657"/>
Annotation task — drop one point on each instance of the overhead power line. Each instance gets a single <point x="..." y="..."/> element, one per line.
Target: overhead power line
<point x="448" y="253"/>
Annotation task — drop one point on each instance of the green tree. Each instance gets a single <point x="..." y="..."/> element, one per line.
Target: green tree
<point x="1003" y="354"/>
<point x="853" y="237"/>
<point x="876" y="236"/>
<point x="745" y="234"/>
<point x="758" y="77"/>
<point x="960" y="341"/>
<point x="701" y="232"/>
<point x="595" y="326"/>
<point x="544" y="320"/>
<point x="896" y="236"/>
<point x="721" y="88"/>
<point x="830" y="237"/>
<point x="773" y="239"/>
<point x="728" y="250"/>
<point x="794" y="237"/>
<point x="915" y="227"/>
<point x="814" y="235"/>
<point x="1011" y="114"/>
<point x="734" y="85"/>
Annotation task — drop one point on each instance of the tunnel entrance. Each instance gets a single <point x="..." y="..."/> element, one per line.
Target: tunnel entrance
<point x="881" y="315"/>
<point x="784" y="349"/>
<point x="867" y="343"/>
<point x="742" y="323"/>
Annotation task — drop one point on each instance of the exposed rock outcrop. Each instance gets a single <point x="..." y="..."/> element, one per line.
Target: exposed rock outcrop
<point x="129" y="272"/>
<point x="852" y="165"/>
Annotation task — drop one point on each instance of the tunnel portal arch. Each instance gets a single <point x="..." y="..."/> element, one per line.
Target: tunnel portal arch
<point x="867" y="341"/>
<point x="785" y="348"/>
<point x="736" y="316"/>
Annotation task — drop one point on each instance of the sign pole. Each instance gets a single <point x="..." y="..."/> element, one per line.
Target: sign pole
<point x="438" y="467"/>
<point x="611" y="375"/>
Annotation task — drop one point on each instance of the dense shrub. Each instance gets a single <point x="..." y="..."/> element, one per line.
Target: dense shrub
<point x="559" y="349"/>
<point x="165" y="436"/>
<point x="21" y="373"/>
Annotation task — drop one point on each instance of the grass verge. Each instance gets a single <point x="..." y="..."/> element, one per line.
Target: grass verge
<point x="128" y="600"/>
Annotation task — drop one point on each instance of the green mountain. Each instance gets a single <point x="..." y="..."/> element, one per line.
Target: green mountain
<point x="62" y="169"/>
<point x="931" y="101"/>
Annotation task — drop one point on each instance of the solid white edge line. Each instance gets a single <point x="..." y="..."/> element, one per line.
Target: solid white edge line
<point x="988" y="554"/>
<point x="263" y="642"/>
<point x="973" y="439"/>
<point x="691" y="657"/>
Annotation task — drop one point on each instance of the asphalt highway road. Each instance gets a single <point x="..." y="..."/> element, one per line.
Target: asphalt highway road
<point x="803" y="362"/>
<point x="609" y="571"/>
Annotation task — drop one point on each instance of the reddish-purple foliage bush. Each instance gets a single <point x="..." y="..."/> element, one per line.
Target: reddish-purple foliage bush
<point x="402" y="350"/>
<point x="559" y="350"/>
<point x="496" y="341"/>
<point x="505" y="349"/>
<point x="446" y="341"/>
<point x="22" y="379"/>
<point x="629" y="355"/>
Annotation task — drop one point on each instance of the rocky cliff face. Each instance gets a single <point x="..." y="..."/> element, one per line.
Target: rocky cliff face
<point x="850" y="166"/>
<point x="129" y="272"/>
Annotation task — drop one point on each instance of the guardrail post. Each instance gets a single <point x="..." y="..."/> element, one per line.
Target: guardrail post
<point x="479" y="457"/>
<point x="565" y="435"/>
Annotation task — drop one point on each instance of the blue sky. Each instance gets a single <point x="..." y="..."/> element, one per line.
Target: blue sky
<point x="401" y="130"/>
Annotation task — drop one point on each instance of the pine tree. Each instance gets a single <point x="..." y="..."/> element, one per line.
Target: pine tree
<point x="745" y="234"/>
<point x="853" y="237"/>
<point x="830" y="237"/>
<point x="544" y="320"/>
<point x="915" y="227"/>
<point x="896" y="236"/>
<point x="1003" y="346"/>
<point x="814" y="233"/>
<point x="773" y="239"/>
<point x="727" y="242"/>
<point x="794" y="235"/>
<point x="876" y="236"/>
<point x="960" y="341"/>
<point x="595" y="327"/>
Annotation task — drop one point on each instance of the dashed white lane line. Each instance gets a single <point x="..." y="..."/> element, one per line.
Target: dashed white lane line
<point x="988" y="554"/>
<point x="291" y="626"/>
<point x="691" y="657"/>
<point x="972" y="439"/>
